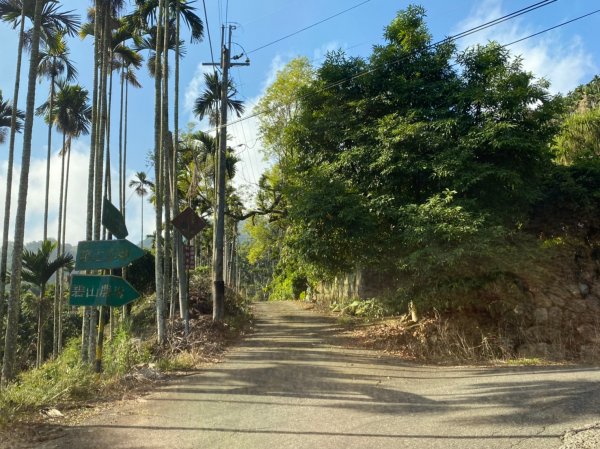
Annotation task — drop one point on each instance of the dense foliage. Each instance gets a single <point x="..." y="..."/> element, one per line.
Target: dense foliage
<point x="421" y="161"/>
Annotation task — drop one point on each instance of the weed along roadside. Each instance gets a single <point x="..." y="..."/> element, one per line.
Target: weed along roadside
<point x="132" y="364"/>
<point x="303" y="386"/>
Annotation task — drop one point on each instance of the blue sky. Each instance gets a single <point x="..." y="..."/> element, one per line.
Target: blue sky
<point x="567" y="57"/>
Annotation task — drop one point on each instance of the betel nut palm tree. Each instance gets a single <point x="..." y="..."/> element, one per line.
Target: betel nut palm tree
<point x="54" y="63"/>
<point x="51" y="20"/>
<point x="207" y="104"/>
<point x="37" y="270"/>
<point x="10" y="342"/>
<point x="154" y="18"/>
<point x="6" y="111"/>
<point x="141" y="184"/>
<point x="71" y="114"/>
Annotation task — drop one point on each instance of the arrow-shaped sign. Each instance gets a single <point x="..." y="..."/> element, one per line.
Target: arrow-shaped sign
<point x="106" y="254"/>
<point x="110" y="291"/>
<point x="113" y="220"/>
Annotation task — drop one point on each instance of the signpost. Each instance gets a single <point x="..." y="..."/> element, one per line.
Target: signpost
<point x="106" y="254"/>
<point x="188" y="223"/>
<point x="113" y="220"/>
<point x="110" y="291"/>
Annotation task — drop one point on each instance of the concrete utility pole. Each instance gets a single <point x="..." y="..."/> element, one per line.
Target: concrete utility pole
<point x="218" y="288"/>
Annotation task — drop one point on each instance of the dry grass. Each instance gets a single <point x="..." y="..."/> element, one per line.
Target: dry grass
<point x="445" y="340"/>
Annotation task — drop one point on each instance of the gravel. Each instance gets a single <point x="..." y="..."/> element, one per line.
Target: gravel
<point x="587" y="437"/>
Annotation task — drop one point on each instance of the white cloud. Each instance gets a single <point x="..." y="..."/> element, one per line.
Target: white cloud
<point x="321" y="52"/>
<point x="564" y="62"/>
<point x="77" y="198"/>
<point x="194" y="89"/>
<point x="244" y="132"/>
<point x="245" y="136"/>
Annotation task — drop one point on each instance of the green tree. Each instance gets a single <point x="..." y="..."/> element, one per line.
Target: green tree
<point x="8" y="368"/>
<point x="280" y="105"/>
<point x="141" y="184"/>
<point x="54" y="62"/>
<point x="52" y="20"/>
<point x="578" y="141"/>
<point x="207" y="104"/>
<point x="6" y="111"/>
<point x="37" y="270"/>
<point x="385" y="161"/>
<point x="72" y="115"/>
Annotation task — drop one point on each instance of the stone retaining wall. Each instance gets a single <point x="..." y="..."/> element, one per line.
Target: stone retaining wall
<point x="555" y="319"/>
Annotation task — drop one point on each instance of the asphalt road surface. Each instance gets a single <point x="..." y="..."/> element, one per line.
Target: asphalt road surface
<point x="289" y="385"/>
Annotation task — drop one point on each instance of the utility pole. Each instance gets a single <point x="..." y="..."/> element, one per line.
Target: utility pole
<point x="218" y="287"/>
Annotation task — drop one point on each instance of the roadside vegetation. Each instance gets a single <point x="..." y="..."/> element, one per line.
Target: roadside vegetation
<point x="132" y="361"/>
<point x="453" y="182"/>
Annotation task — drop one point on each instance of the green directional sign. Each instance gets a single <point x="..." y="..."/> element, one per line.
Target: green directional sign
<point x="109" y="291"/>
<point x="113" y="220"/>
<point x="106" y="254"/>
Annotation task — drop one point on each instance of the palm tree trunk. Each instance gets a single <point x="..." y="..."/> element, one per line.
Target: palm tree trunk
<point x="107" y="174"/>
<point x="64" y="233"/>
<point x="40" y="332"/>
<point x="218" y="289"/>
<point x="94" y="351"/>
<point x="99" y="175"/>
<point x="59" y="251"/>
<point x="125" y="148"/>
<point x="86" y="356"/>
<point x="181" y="272"/>
<point x="121" y="172"/>
<point x="101" y="320"/>
<point x="167" y="146"/>
<point x="160" y="300"/>
<point x="142" y="238"/>
<point x="9" y="172"/>
<point x="48" y="156"/>
<point x="10" y="343"/>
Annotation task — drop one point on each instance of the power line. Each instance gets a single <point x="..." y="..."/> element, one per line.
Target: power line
<point x="465" y="33"/>
<point x="212" y="56"/>
<point x="554" y="27"/>
<point x="462" y="34"/>
<point x="483" y="26"/>
<point x="499" y="20"/>
<point x="310" y="26"/>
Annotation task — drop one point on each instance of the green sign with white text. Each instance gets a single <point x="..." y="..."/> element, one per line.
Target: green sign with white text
<point x="109" y="291"/>
<point x="106" y="254"/>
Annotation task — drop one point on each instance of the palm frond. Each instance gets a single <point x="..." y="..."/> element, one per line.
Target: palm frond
<point x="131" y="78"/>
<point x="128" y="56"/>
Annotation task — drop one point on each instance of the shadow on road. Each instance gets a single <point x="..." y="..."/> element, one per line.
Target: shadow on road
<point x="299" y="356"/>
<point x="293" y="384"/>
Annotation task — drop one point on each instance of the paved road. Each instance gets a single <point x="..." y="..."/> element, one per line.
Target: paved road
<point x="290" y="386"/>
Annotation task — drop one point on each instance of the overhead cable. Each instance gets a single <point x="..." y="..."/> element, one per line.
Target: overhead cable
<point x="309" y="26"/>
<point x="449" y="39"/>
